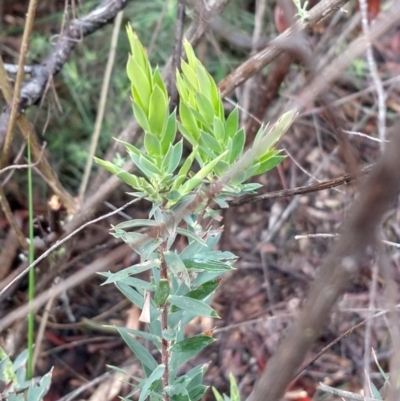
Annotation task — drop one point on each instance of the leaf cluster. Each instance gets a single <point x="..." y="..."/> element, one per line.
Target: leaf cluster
<point x="217" y="142"/>
<point x="14" y="386"/>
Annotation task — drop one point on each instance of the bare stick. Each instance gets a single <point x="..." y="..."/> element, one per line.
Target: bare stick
<point x="259" y="60"/>
<point x="102" y="104"/>
<point x="30" y="18"/>
<point x="284" y="193"/>
<point x="374" y="74"/>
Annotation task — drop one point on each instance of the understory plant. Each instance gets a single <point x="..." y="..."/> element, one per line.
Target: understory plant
<point x="181" y="190"/>
<point x="14" y="385"/>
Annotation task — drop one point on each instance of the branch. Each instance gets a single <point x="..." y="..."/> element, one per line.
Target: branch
<point x="319" y="186"/>
<point x="77" y="29"/>
<point x="259" y="60"/>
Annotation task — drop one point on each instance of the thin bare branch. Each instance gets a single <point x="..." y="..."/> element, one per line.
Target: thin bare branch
<point x="30" y="19"/>
<point x="259" y="60"/>
<point x="102" y="104"/>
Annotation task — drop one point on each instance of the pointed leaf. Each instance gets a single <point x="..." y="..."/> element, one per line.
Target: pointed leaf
<point x="188" y="120"/>
<point x="141" y="352"/>
<point x="158" y="81"/>
<point x="162" y="292"/>
<point x="177" y="267"/>
<point x="152" y="144"/>
<point x="193" y="306"/>
<point x="205" y="107"/>
<point x="210" y="142"/>
<point x="172" y="158"/>
<point x="219" y="130"/>
<point x="169" y="133"/>
<point x="141" y="84"/>
<point x="237" y="145"/>
<point x="132" y="270"/>
<point x="190" y="75"/>
<point x="158" y="110"/>
<point x="200" y="175"/>
<point x="140" y="116"/>
<point x="198" y="264"/>
<point x="193" y="344"/>
<point x="269" y="165"/>
<point x="232" y="123"/>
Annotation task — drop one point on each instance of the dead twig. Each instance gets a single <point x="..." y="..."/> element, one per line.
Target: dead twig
<point x="319" y="186"/>
<point x="259" y="60"/>
<point x="30" y="18"/>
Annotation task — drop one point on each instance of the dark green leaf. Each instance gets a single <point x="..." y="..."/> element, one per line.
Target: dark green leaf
<point x="177" y="392"/>
<point x="193" y="344"/>
<point x="201" y="292"/>
<point x="162" y="292"/>
<point x="194" y="306"/>
<point x="198" y="264"/>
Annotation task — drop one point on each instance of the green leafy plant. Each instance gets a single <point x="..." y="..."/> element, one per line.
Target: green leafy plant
<point x="179" y="189"/>
<point x="13" y="383"/>
<point x="234" y="391"/>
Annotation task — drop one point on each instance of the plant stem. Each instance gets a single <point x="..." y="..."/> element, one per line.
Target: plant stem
<point x="31" y="315"/>
<point x="164" y="326"/>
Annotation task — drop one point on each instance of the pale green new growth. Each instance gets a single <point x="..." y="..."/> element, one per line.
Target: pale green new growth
<point x="301" y="7"/>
